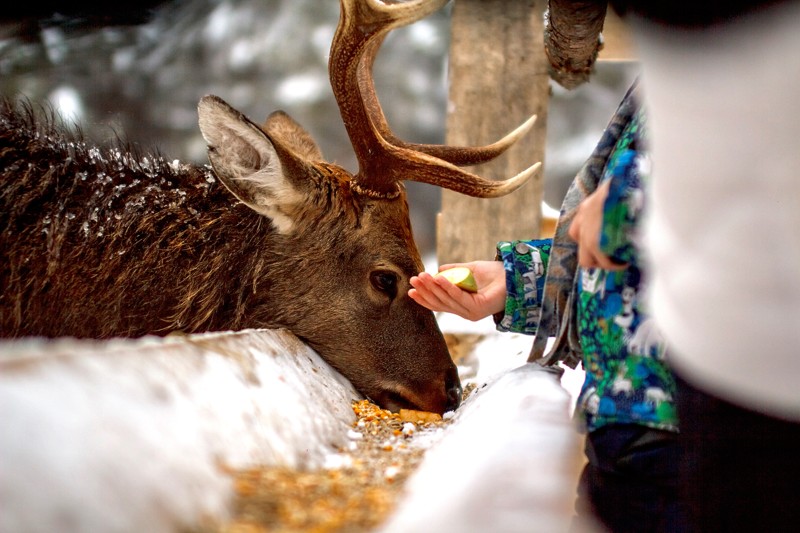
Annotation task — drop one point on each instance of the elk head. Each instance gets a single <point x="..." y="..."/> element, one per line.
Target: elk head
<point x="346" y="239"/>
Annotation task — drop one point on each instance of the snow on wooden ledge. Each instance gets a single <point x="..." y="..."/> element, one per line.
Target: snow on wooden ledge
<point x="135" y="435"/>
<point x="508" y="463"/>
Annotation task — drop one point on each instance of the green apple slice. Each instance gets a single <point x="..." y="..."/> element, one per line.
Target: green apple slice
<point x="461" y="277"/>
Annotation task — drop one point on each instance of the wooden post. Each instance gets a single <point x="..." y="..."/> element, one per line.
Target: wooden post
<point x="498" y="78"/>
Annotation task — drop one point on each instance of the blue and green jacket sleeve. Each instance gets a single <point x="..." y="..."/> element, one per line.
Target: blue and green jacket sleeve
<point x="525" y="263"/>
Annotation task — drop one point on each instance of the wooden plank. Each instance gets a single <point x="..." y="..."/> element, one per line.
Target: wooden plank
<point x="498" y="78"/>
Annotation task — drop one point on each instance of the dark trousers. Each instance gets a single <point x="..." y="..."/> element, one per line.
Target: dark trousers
<point x="630" y="483"/>
<point x="740" y="469"/>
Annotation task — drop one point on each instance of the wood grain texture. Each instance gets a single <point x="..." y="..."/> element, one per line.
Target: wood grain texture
<point x="498" y="77"/>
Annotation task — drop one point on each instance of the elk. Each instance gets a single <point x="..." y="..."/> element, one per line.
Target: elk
<point x="99" y="243"/>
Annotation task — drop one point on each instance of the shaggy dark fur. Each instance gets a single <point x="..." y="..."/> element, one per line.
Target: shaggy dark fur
<point x="113" y="230"/>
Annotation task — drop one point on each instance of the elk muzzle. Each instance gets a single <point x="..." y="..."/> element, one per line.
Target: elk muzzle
<point x="438" y="394"/>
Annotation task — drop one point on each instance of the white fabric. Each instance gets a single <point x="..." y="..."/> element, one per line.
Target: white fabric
<point x="724" y="226"/>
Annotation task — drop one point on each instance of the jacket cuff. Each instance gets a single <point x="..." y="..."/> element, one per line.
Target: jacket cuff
<point x="525" y="263"/>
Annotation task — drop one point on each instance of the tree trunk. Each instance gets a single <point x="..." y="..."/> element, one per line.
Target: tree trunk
<point x="498" y="78"/>
<point x="572" y="39"/>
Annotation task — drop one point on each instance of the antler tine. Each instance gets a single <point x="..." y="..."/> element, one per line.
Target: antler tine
<point x="384" y="161"/>
<point x="458" y="155"/>
<point x="474" y="155"/>
<point x="429" y="169"/>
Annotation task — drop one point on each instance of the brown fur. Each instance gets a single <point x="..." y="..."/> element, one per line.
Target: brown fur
<point x="107" y="229"/>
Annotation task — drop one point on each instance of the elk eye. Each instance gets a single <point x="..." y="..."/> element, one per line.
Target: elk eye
<point x="385" y="281"/>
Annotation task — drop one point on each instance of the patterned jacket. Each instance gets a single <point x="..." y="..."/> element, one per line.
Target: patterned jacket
<point x="597" y="317"/>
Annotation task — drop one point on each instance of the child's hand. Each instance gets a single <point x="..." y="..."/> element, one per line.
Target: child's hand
<point x="438" y="294"/>
<point x="585" y="230"/>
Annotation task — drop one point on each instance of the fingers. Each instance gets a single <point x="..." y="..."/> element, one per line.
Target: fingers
<point x="585" y="230"/>
<point x="438" y="294"/>
<point x="574" y="230"/>
<point x="427" y="293"/>
<point x="421" y="299"/>
<point x="439" y="289"/>
<point x="592" y="257"/>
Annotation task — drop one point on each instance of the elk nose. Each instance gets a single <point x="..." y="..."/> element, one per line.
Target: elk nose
<point x="453" y="387"/>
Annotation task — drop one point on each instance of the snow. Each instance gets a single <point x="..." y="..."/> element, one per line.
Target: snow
<point x="136" y="435"/>
<point x="507" y="463"/>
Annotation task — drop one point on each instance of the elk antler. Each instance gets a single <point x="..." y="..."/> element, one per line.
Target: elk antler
<point x="383" y="159"/>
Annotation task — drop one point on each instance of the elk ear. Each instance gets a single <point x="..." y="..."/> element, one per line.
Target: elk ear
<point x="281" y="126"/>
<point x="247" y="162"/>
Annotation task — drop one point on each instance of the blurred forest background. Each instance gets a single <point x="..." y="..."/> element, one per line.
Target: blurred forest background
<point x="137" y="71"/>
